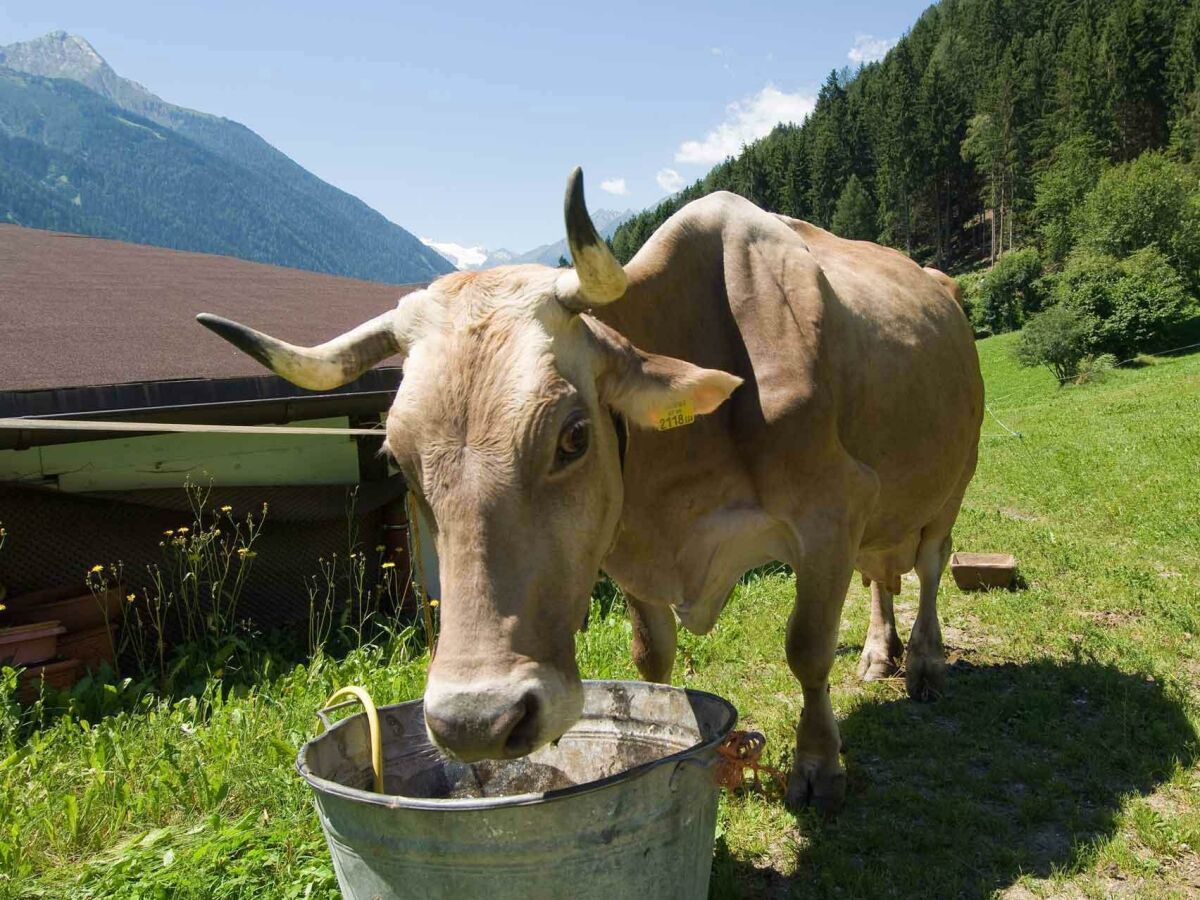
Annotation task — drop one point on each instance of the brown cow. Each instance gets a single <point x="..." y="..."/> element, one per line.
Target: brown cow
<point x="848" y="439"/>
<point x="949" y="285"/>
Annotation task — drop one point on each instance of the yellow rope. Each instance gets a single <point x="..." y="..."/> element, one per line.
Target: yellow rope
<point x="364" y="698"/>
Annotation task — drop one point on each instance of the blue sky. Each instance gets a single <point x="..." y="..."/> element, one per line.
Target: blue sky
<point x="461" y="120"/>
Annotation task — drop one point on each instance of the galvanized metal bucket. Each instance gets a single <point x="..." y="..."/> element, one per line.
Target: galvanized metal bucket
<point x="624" y="806"/>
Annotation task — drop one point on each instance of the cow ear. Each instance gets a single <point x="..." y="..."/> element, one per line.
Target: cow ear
<point x="643" y="387"/>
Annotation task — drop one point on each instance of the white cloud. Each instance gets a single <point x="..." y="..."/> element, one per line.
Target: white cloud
<point x="614" y="186"/>
<point x="462" y="257"/>
<point x="669" y="180"/>
<point x="868" y="48"/>
<point x="746" y="121"/>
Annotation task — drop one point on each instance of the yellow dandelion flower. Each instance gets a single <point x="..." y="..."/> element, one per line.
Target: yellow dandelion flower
<point x="388" y="565"/>
<point x="183" y="529"/>
<point x="129" y="598"/>
<point x="97" y="569"/>
<point x="379" y="548"/>
<point x="226" y="509"/>
<point x="433" y="603"/>
<point x="3" y="607"/>
<point x="169" y="532"/>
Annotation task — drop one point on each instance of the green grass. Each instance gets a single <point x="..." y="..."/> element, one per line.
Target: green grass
<point x="1062" y="760"/>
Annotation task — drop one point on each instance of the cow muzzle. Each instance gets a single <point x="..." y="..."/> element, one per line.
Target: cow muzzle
<point x="501" y="721"/>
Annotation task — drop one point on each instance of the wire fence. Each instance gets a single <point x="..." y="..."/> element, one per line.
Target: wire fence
<point x="1116" y="365"/>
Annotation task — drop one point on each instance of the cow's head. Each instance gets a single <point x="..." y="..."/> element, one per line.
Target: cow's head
<point x="503" y="428"/>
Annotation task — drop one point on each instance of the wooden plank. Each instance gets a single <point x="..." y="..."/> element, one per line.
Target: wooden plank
<point x="166" y="460"/>
<point x="107" y="425"/>
<point x="21" y="465"/>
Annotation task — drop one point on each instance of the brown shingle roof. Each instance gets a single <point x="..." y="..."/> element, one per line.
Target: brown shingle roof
<point x="80" y="311"/>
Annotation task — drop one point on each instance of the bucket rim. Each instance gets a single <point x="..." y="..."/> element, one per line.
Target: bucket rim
<point x="452" y="804"/>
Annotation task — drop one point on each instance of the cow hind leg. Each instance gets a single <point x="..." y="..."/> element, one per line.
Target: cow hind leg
<point x="925" y="665"/>
<point x="883" y="648"/>
<point x="654" y="637"/>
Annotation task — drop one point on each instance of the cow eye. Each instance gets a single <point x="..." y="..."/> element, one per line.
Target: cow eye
<point x="573" y="439"/>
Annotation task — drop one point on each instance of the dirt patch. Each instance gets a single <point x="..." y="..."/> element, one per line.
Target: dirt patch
<point x="1110" y="618"/>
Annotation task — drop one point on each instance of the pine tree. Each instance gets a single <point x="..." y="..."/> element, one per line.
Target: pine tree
<point x="829" y="163"/>
<point x="854" y="217"/>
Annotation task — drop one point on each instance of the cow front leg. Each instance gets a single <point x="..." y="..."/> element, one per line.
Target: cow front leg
<point x="883" y="648"/>
<point x="817" y="775"/>
<point x="654" y="640"/>
<point x="925" y="665"/>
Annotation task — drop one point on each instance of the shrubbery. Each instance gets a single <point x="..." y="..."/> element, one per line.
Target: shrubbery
<point x="1150" y="202"/>
<point x="1057" y="339"/>
<point x="1128" y="304"/>
<point x="1134" y="268"/>
<point x="1001" y="299"/>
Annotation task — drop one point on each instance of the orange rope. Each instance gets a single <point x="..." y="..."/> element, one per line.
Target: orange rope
<point x="740" y="751"/>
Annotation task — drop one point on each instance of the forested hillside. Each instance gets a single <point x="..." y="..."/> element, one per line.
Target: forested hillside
<point x="86" y="151"/>
<point x="941" y="148"/>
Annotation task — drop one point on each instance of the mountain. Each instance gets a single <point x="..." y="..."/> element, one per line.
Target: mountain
<point x="607" y="221"/>
<point x="470" y="258"/>
<point x="84" y="150"/>
<point x="475" y="258"/>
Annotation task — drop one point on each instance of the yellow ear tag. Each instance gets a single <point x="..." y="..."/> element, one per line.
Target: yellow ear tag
<point x="676" y="416"/>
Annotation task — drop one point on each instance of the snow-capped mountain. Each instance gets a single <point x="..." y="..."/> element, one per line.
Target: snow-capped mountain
<point x="475" y="258"/>
<point x="470" y="258"/>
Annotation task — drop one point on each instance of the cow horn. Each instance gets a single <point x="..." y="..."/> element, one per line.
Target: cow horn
<point x="326" y="366"/>
<point x="597" y="278"/>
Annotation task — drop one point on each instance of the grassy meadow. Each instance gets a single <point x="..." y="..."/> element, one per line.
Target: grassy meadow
<point x="1063" y="760"/>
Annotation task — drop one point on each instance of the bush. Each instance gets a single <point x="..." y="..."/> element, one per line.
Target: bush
<point x="1095" y="368"/>
<point x="1152" y="201"/>
<point x="1130" y="304"/>
<point x="969" y="283"/>
<point x="1057" y="339"/>
<point x="1005" y="296"/>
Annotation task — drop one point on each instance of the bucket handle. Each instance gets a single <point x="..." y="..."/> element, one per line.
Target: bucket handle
<point x="707" y="765"/>
<point x="361" y="696"/>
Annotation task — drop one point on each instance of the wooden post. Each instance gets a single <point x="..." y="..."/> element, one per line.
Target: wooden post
<point x="393" y="517"/>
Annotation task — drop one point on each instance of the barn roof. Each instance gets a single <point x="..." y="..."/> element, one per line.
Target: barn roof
<point x="104" y="329"/>
<point x="82" y="311"/>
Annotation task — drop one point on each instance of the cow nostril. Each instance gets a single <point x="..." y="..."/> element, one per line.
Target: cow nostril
<point x="439" y="726"/>
<point x="524" y="733"/>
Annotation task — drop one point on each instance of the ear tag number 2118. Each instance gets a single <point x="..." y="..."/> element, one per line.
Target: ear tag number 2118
<point x="676" y="416"/>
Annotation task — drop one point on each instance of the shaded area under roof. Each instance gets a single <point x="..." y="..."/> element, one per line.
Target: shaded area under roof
<point x="78" y="311"/>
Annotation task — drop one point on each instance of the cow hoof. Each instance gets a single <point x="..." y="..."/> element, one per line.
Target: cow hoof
<point x="925" y="677"/>
<point x="822" y="787"/>
<point x="873" y="665"/>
